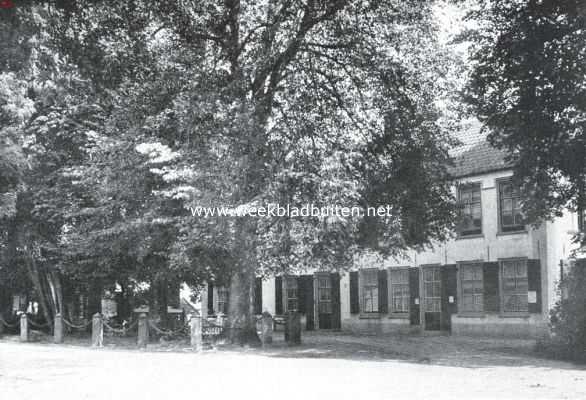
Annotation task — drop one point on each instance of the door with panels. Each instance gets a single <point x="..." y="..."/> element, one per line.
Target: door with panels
<point x="431" y="309"/>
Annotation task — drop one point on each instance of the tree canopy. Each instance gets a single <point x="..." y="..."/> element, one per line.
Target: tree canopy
<point x="528" y="87"/>
<point x="141" y="110"/>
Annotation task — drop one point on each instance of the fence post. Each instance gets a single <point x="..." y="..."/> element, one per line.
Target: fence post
<point x="23" y="328"/>
<point x="97" y="331"/>
<point x="266" y="335"/>
<point x="143" y="331"/>
<point x="293" y="328"/>
<point x="58" y="329"/>
<point x="196" y="332"/>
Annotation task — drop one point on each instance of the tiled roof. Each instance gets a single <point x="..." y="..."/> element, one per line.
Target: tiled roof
<point x="475" y="155"/>
<point x="479" y="159"/>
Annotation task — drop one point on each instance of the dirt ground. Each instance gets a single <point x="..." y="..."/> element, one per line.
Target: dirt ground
<point x="326" y="365"/>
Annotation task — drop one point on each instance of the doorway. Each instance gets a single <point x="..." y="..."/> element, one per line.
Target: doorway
<point x="432" y="301"/>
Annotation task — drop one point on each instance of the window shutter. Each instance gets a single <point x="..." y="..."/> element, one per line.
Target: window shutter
<point x="305" y="293"/>
<point x="413" y="294"/>
<point x="210" y="298"/>
<point x="336" y="323"/>
<point x="534" y="281"/>
<point x="383" y="293"/>
<point x="258" y="296"/>
<point x="354" y="301"/>
<point x="490" y="275"/>
<point x="449" y="278"/>
<point x="301" y="296"/>
<point x="278" y="295"/>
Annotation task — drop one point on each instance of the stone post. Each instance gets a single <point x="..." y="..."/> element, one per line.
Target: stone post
<point x="143" y="331"/>
<point x="266" y="333"/>
<point x="293" y="328"/>
<point x="23" y="328"/>
<point x="196" y="332"/>
<point x="58" y="329"/>
<point x="220" y="319"/>
<point x="97" y="331"/>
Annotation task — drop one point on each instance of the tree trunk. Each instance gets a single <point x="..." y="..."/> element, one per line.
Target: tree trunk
<point x="241" y="320"/>
<point x="37" y="280"/>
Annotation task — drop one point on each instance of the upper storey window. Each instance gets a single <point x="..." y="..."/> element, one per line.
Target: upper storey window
<point x="511" y="218"/>
<point x="471" y="210"/>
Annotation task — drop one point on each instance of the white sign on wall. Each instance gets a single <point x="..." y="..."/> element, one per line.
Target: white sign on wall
<point x="532" y="297"/>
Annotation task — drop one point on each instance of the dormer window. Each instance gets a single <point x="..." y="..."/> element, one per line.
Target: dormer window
<point x="471" y="209"/>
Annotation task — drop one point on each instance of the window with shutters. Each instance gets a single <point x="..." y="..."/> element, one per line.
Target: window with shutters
<point x="511" y="218"/>
<point x="222" y="304"/>
<point x="514" y="286"/>
<point x="471" y="288"/>
<point x="470" y="210"/>
<point x="324" y="292"/>
<point x="291" y="293"/>
<point x="399" y="290"/>
<point x="369" y="290"/>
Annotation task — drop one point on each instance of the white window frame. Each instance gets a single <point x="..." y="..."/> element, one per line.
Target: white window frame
<point x="392" y="284"/>
<point x="461" y="266"/>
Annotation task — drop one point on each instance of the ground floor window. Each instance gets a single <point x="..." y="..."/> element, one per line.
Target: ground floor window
<point x="291" y="293"/>
<point x="514" y="286"/>
<point x="223" y="296"/>
<point x="369" y="279"/>
<point x="324" y="288"/>
<point x="471" y="287"/>
<point x="399" y="279"/>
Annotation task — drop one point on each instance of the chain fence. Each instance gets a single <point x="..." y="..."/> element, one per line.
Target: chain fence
<point x="8" y="325"/>
<point x="71" y="325"/>
<point x="36" y="325"/>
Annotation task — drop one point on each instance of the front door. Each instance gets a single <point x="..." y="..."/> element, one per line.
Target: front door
<point x="325" y="307"/>
<point x="432" y="301"/>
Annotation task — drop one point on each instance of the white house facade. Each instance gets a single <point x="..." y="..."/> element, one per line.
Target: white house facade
<point x="496" y="277"/>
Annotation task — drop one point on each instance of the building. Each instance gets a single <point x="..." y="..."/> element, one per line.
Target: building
<point x="497" y="277"/>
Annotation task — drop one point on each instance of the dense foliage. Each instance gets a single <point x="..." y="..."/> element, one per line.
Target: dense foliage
<point x="528" y="87"/>
<point x="568" y="317"/>
<point x="139" y="110"/>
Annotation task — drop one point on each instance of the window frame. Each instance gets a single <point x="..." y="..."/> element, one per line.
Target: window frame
<point x="467" y="186"/>
<point x="392" y="312"/>
<point x="461" y="311"/>
<point x="226" y="303"/>
<point x="286" y="280"/>
<point x="361" y="292"/>
<point x="326" y="278"/>
<point x="502" y="293"/>
<point x="498" y="183"/>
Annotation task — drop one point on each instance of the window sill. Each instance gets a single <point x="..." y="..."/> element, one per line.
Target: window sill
<point x="514" y="315"/>
<point x="404" y="315"/>
<point x="475" y="236"/>
<point x="523" y="232"/>
<point x="472" y="315"/>
<point x="369" y="316"/>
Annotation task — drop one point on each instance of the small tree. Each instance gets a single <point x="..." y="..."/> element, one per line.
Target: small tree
<point x="568" y="317"/>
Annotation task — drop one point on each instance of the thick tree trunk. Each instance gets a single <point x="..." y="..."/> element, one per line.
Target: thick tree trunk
<point x="36" y="277"/>
<point x="241" y="320"/>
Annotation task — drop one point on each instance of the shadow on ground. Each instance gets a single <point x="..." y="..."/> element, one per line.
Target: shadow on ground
<point x="451" y="351"/>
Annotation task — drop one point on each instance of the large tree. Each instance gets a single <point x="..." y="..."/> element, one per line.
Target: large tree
<point x="243" y="103"/>
<point x="528" y="87"/>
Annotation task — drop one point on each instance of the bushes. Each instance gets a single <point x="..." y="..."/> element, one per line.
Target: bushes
<point x="568" y="318"/>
